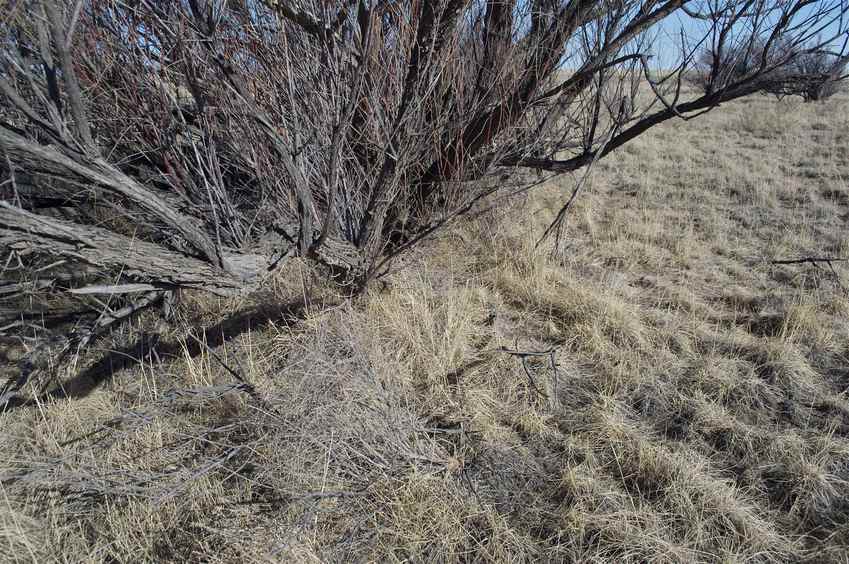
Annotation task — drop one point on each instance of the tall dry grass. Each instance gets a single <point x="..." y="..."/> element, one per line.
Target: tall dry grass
<point x="698" y="412"/>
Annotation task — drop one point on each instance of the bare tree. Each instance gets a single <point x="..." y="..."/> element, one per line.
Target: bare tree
<point x="149" y="145"/>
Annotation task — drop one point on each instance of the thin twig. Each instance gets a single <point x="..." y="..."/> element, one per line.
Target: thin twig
<point x="811" y="260"/>
<point x="300" y="497"/>
<point x="238" y="375"/>
<point x="523" y="358"/>
<point x="815" y="261"/>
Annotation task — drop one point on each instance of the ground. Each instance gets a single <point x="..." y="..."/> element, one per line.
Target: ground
<point x="697" y="409"/>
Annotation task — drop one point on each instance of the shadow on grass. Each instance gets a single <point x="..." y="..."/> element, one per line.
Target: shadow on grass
<point x="153" y="346"/>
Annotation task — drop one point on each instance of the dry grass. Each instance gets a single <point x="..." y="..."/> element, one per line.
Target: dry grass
<point x="699" y="412"/>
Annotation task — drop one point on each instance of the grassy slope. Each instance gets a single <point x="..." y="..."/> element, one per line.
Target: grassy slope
<point x="700" y="410"/>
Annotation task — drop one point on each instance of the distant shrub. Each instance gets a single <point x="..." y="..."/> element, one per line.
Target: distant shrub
<point x="820" y="75"/>
<point x="812" y="74"/>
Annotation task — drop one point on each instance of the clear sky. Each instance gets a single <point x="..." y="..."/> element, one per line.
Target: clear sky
<point x="667" y="46"/>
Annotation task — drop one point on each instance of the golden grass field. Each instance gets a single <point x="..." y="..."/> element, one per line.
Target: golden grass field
<point x="700" y="410"/>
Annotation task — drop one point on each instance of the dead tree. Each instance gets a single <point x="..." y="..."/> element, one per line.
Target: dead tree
<point x="149" y="145"/>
